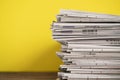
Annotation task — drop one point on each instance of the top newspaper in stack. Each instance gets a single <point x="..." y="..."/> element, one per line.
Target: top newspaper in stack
<point x="80" y="16"/>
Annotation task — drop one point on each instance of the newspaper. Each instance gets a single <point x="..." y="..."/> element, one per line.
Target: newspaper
<point x="90" y="45"/>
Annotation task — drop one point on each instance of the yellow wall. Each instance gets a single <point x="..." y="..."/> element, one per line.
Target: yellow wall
<point x="25" y="37"/>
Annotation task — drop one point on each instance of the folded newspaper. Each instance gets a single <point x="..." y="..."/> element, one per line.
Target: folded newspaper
<point x="90" y="45"/>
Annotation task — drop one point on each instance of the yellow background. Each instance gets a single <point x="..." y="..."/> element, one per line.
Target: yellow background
<point x="25" y="37"/>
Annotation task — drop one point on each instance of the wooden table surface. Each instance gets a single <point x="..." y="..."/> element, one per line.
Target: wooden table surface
<point x="28" y="75"/>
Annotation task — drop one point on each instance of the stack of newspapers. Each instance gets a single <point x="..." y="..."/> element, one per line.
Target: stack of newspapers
<point x="90" y="45"/>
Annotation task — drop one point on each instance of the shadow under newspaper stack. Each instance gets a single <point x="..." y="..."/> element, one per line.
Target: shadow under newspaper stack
<point x="90" y="45"/>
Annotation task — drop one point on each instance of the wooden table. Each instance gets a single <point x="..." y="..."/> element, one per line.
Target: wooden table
<point x="28" y="75"/>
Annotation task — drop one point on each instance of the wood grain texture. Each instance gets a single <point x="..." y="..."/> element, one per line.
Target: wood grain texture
<point x="28" y="75"/>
